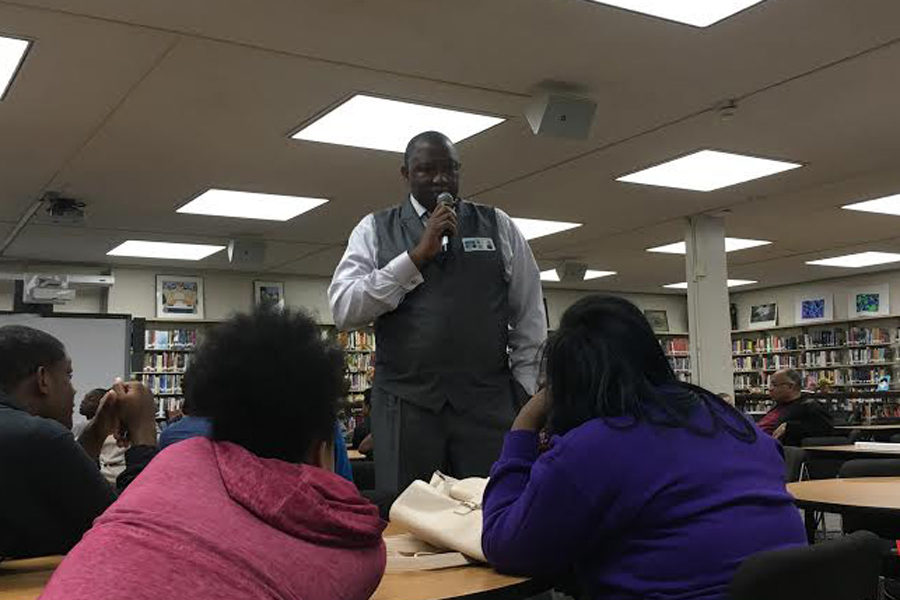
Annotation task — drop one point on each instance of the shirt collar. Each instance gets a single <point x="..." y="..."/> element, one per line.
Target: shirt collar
<point x="420" y="210"/>
<point x="10" y="401"/>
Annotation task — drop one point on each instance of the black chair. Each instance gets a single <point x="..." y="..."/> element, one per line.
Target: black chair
<point x="363" y="474"/>
<point x="895" y="439"/>
<point x="884" y="526"/>
<point x="824" y="468"/>
<point x="843" y="569"/>
<point x="794" y="459"/>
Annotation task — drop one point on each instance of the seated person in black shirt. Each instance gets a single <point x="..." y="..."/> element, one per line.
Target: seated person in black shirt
<point x="51" y="486"/>
<point x="362" y="433"/>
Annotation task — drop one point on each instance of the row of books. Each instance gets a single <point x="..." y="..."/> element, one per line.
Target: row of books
<point x="869" y="376"/>
<point x="870" y="355"/>
<point x="676" y="345"/>
<point x="823" y="358"/>
<point x="755" y="406"/>
<point x="358" y="382"/>
<point x="167" y="361"/>
<point x="680" y="363"/>
<point x="163" y="339"/>
<point x="357" y="340"/>
<point x="359" y="361"/>
<point x="869" y="335"/>
<point x="164" y="405"/>
<point x="769" y="362"/>
<point x="825" y="338"/>
<point x="772" y="343"/>
<point x="162" y="383"/>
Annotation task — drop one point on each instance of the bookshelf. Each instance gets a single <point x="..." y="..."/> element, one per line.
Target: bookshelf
<point x="677" y="348"/>
<point x="845" y="356"/>
<point x="164" y="357"/>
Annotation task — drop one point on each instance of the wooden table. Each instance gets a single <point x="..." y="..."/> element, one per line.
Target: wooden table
<point x="895" y="427"/>
<point x="25" y="579"/>
<point x="355" y="454"/>
<point x="852" y="451"/>
<point x="870" y="495"/>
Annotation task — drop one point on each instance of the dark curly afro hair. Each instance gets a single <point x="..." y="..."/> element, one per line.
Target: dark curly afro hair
<point x="269" y="382"/>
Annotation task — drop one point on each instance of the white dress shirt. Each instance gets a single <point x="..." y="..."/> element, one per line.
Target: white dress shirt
<point x="360" y="292"/>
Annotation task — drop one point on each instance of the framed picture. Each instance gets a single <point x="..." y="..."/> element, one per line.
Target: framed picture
<point x="179" y="298"/>
<point x="268" y="294"/>
<point x="813" y="308"/>
<point x="763" y="315"/>
<point x="869" y="301"/>
<point x="658" y="319"/>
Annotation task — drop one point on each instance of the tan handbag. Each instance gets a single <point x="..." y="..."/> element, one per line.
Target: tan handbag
<point x="445" y="513"/>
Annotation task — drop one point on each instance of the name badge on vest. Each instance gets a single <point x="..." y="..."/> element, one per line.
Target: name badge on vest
<point x="480" y="244"/>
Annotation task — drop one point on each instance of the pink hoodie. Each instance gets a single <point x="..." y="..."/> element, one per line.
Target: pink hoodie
<point x="211" y="520"/>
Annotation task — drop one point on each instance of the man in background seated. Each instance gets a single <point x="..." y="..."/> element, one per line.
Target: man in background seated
<point x="51" y="487"/>
<point x="255" y="511"/>
<point x="794" y="418"/>
<point x="190" y="425"/>
<point x="112" y="455"/>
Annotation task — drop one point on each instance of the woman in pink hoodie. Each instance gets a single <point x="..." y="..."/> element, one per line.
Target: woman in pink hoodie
<point x="255" y="512"/>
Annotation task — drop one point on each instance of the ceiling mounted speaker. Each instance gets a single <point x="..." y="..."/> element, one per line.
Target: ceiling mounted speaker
<point x="571" y="271"/>
<point x="246" y="253"/>
<point x="561" y="116"/>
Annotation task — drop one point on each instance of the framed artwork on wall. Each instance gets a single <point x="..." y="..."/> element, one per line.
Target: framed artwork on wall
<point x="763" y="315"/>
<point x="268" y="294"/>
<point x="179" y="298"/>
<point x="814" y="308"/>
<point x="658" y="319"/>
<point x="869" y="301"/>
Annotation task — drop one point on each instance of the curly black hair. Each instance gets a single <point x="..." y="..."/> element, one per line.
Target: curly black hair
<point x="269" y="382"/>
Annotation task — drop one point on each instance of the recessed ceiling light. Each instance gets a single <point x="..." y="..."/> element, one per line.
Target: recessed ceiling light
<point x="855" y="261"/>
<point x="731" y="245"/>
<point x="250" y="205"/>
<point x="12" y="51"/>
<point x="708" y="170"/>
<point x="591" y="274"/>
<point x="535" y="228"/>
<point x="699" y="13"/>
<point x="549" y="275"/>
<point x="731" y="283"/>
<point x="382" y="124"/>
<point x="169" y="250"/>
<point x="889" y="205"/>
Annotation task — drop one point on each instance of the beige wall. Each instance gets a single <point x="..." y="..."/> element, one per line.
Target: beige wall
<point x="674" y="305"/>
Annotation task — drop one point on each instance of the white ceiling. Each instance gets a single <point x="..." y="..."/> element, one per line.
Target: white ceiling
<point x="136" y="107"/>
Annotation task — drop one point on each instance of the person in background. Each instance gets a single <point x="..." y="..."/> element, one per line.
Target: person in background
<point x="793" y="418"/>
<point x="112" y="455"/>
<point x="51" y="487"/>
<point x="362" y="433"/>
<point x="651" y="487"/>
<point x="254" y="512"/>
<point x="458" y="330"/>
<point x="726" y="397"/>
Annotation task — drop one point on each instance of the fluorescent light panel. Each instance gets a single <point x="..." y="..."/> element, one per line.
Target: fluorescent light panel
<point x="855" y="261"/>
<point x="731" y="245"/>
<point x="382" y="124"/>
<point x="731" y="283"/>
<point x="549" y="275"/>
<point x="168" y="250"/>
<point x="592" y="274"/>
<point x="535" y="228"/>
<point x="708" y="170"/>
<point x="889" y="205"/>
<point x="250" y="205"/>
<point x="699" y="13"/>
<point x="12" y="51"/>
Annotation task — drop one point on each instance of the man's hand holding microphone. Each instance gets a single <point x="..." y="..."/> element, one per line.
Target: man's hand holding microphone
<point x="440" y="227"/>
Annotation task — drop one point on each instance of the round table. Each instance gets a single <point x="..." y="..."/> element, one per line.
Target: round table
<point x="25" y="579"/>
<point x="870" y="494"/>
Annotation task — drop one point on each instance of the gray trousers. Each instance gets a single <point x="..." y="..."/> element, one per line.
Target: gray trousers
<point x="412" y="442"/>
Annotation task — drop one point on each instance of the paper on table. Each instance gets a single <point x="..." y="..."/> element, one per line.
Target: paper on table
<point x="405" y="552"/>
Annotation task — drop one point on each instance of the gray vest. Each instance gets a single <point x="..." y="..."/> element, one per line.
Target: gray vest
<point x="447" y="340"/>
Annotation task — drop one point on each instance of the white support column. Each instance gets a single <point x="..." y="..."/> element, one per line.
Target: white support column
<point x="709" y="319"/>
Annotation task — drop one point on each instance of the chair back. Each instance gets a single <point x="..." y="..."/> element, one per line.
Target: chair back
<point x="827" y="440"/>
<point x="885" y="526"/>
<point x="793" y="463"/>
<point x="847" y="568"/>
<point x="820" y="467"/>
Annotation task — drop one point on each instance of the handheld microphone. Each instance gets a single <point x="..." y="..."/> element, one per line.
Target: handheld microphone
<point x="447" y="199"/>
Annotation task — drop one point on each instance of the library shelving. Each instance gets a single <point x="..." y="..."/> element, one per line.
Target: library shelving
<point x="846" y="356"/>
<point x="677" y="348"/>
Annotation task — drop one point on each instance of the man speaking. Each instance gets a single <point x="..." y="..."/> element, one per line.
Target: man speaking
<point x="455" y="294"/>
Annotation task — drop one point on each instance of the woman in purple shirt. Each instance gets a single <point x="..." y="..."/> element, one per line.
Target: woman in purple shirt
<point x="651" y="488"/>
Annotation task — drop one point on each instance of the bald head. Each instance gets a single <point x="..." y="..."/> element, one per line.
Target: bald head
<point x="785" y="386"/>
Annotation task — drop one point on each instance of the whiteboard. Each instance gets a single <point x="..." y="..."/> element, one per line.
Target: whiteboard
<point x="100" y="348"/>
